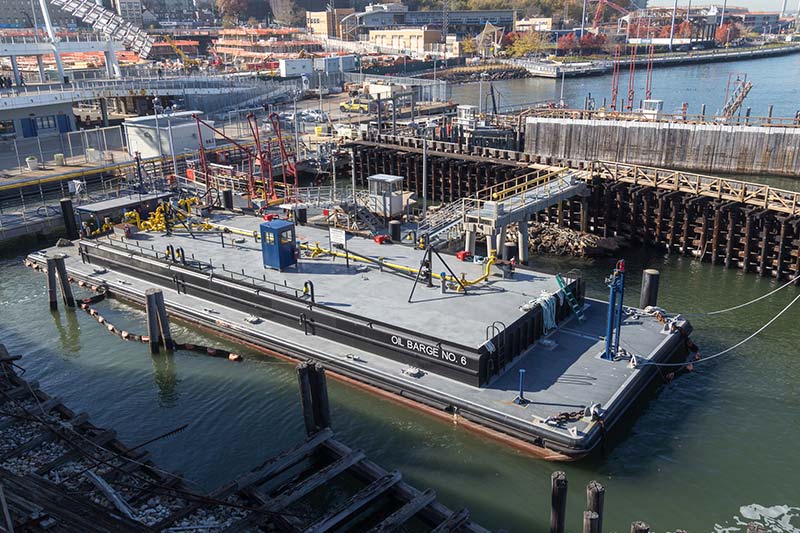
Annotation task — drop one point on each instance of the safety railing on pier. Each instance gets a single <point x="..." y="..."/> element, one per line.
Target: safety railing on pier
<point x="755" y="194"/>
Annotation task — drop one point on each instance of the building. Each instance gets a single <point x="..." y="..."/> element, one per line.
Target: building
<point x="759" y="21"/>
<point x="535" y="24"/>
<point x="18" y="14"/>
<point x="327" y="23"/>
<point x="357" y="26"/>
<point x="258" y="44"/>
<point x="153" y="135"/>
<point x="407" y="40"/>
<point x="130" y="10"/>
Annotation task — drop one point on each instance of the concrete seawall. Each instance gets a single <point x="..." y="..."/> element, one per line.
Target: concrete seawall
<point x="697" y="147"/>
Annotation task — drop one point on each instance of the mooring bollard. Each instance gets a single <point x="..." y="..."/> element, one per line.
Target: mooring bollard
<point x="649" y="295"/>
<point x="443" y="277"/>
<point x="591" y="522"/>
<point x="640" y="527"/>
<point x="558" y="502"/>
<point x="595" y="496"/>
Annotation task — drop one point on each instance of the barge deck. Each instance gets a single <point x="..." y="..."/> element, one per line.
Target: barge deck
<point x="454" y="354"/>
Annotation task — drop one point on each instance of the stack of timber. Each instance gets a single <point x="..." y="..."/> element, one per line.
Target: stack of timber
<point x="59" y="472"/>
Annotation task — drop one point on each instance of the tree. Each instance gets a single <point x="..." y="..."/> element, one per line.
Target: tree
<point x="468" y="47"/>
<point x="727" y="33"/>
<point x="232" y="8"/>
<point x="527" y="43"/>
<point x="568" y="43"/>
<point x="685" y="30"/>
<point x="287" y="12"/>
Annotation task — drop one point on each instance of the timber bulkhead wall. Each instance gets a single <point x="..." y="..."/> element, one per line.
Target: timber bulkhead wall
<point x="714" y="148"/>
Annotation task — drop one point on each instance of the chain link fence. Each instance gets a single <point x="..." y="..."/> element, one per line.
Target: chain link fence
<point x="99" y="146"/>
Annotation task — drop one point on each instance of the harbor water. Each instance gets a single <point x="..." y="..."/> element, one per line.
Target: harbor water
<point x="774" y="83"/>
<point x="711" y="451"/>
<point x="708" y="451"/>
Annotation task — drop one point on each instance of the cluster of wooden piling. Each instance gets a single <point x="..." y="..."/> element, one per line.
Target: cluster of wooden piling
<point x="593" y="514"/>
<point x="722" y="233"/>
<point x="449" y="178"/>
<point x="734" y="234"/>
<point x="158" y="330"/>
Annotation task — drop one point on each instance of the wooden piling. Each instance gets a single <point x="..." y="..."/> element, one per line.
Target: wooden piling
<point x="63" y="281"/>
<point x="747" y="238"/>
<point x="558" y="502"/>
<point x="306" y="401"/>
<point x="153" y="330"/>
<point x="595" y="497"/>
<point x="591" y="522"/>
<point x="163" y="322"/>
<point x="52" y="292"/>
<point x="640" y="527"/>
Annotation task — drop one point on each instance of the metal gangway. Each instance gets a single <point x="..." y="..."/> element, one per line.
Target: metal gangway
<point x="496" y="207"/>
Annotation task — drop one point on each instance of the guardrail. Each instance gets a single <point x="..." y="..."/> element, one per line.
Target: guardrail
<point x="755" y="194"/>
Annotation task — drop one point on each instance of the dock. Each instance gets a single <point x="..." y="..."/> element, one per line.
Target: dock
<point x="59" y="472"/>
<point x="454" y="353"/>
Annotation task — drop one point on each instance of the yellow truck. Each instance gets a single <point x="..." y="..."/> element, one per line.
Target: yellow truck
<point x="355" y="105"/>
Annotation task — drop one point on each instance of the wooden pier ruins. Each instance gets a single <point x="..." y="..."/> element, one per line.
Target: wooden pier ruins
<point x="727" y="222"/>
<point x="60" y="472"/>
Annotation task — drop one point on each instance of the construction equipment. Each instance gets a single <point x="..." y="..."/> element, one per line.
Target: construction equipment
<point x="188" y="62"/>
<point x="288" y="158"/>
<point x="735" y="93"/>
<point x="598" y="14"/>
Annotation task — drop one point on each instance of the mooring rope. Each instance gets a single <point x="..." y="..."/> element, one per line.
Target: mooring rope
<point x="734" y="308"/>
<point x="726" y="350"/>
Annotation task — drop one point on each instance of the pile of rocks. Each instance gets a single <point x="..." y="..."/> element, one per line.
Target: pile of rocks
<point x="217" y="518"/>
<point x="549" y="238"/>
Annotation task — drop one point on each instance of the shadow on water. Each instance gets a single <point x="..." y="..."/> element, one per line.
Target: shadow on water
<point x="69" y="334"/>
<point x="165" y="377"/>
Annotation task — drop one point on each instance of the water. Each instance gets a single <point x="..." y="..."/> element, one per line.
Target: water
<point x="703" y="449"/>
<point x="775" y="82"/>
<point x="708" y="452"/>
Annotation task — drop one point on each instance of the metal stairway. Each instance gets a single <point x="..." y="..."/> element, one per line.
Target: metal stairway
<point x="571" y="300"/>
<point x="445" y="220"/>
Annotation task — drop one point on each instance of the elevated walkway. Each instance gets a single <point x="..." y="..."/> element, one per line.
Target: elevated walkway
<point x="494" y="208"/>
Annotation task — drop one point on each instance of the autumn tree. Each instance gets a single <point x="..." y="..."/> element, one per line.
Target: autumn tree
<point x="527" y="43"/>
<point x="469" y="47"/>
<point x="727" y="33"/>
<point x="568" y="43"/>
<point x="232" y="8"/>
<point x="685" y="29"/>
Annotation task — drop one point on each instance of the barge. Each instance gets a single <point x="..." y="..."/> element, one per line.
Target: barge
<point x="516" y="354"/>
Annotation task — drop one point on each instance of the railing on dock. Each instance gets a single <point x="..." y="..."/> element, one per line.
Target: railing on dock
<point x="755" y="194"/>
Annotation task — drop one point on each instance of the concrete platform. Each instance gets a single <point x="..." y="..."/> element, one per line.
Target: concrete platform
<point x="565" y="374"/>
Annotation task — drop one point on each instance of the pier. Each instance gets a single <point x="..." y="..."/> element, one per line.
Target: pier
<point x="728" y="222"/>
<point x="58" y="470"/>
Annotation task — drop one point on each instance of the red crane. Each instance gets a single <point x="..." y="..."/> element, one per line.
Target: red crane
<point x="601" y="4"/>
<point x="288" y="159"/>
<point x="264" y="160"/>
<point x="631" y="80"/>
<point x="648" y="87"/>
<point x="615" y="78"/>
<point x="248" y="150"/>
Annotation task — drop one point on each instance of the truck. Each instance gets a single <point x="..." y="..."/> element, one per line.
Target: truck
<point x="355" y="105"/>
